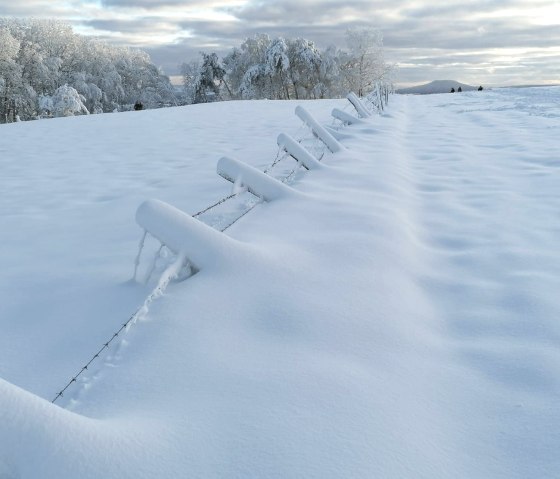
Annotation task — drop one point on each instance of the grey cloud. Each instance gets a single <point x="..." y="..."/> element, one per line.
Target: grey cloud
<point x="428" y="38"/>
<point x="457" y="9"/>
<point x="431" y="58"/>
<point x="404" y="41"/>
<point x="29" y="8"/>
<point x="132" y="26"/>
<point x="157" y="4"/>
<point x="148" y="4"/>
<point x="169" y="57"/>
<point x="231" y="34"/>
<point x="471" y="35"/>
<point x="306" y="12"/>
<point x="486" y="68"/>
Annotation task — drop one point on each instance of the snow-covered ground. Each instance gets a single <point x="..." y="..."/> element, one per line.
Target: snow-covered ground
<point x="397" y="317"/>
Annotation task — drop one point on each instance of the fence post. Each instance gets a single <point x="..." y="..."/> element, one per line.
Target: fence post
<point x="298" y="152"/>
<point x="332" y="144"/>
<point x="183" y="234"/>
<point x="344" y="117"/>
<point x="358" y="105"/>
<point x="256" y="182"/>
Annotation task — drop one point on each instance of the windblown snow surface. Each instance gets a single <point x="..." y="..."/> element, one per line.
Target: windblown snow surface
<point x="397" y="317"/>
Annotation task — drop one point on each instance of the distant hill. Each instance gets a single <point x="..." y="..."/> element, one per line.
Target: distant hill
<point x="436" y="86"/>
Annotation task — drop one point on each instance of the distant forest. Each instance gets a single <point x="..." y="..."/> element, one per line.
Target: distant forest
<point x="47" y="70"/>
<point x="281" y="68"/>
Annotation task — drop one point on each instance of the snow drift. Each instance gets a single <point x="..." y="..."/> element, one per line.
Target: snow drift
<point x="395" y="317"/>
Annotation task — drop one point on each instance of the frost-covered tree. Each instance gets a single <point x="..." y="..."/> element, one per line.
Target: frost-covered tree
<point x="253" y="83"/>
<point x="330" y="72"/>
<point x="277" y="66"/>
<point x="66" y="101"/>
<point x="365" y="64"/>
<point x="9" y="45"/>
<point x="39" y="56"/>
<point x="11" y="83"/>
<point x="251" y="55"/>
<point x="281" y="68"/>
<point x="190" y="72"/>
<point x="92" y="94"/>
<point x="210" y="79"/>
<point x="305" y="65"/>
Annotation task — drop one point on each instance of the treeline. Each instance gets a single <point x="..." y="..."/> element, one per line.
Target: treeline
<point x="281" y="68"/>
<point x="48" y="70"/>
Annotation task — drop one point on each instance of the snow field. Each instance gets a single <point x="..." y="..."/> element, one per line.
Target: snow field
<point x="396" y="319"/>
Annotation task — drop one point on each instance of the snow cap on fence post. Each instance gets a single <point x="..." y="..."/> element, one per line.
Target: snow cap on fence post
<point x="183" y="234"/>
<point x="344" y="117"/>
<point x="298" y="152"/>
<point x="257" y="182"/>
<point x="358" y="105"/>
<point x="332" y="144"/>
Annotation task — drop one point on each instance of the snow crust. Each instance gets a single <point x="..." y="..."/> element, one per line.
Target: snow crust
<point x="398" y="318"/>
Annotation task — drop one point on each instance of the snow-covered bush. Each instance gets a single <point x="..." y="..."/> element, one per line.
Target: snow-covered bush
<point x="45" y="105"/>
<point x="66" y="101"/>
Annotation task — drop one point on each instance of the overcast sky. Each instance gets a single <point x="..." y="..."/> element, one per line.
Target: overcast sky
<point x="489" y="42"/>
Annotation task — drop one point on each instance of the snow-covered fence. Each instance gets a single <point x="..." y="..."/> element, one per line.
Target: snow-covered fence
<point x="298" y="152"/>
<point x="375" y="101"/>
<point x="197" y="244"/>
<point x="256" y="182"/>
<point x="344" y="117"/>
<point x="247" y="178"/>
<point x="183" y="234"/>
<point x="379" y="96"/>
<point x="358" y="105"/>
<point x="331" y="143"/>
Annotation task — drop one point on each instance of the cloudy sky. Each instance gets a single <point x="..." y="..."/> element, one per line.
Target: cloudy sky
<point x="490" y="42"/>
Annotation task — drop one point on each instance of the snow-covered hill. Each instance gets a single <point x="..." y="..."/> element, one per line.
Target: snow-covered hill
<point x="396" y="317"/>
<point x="436" y="86"/>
